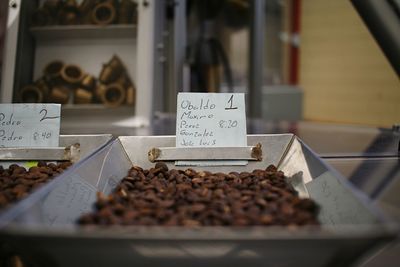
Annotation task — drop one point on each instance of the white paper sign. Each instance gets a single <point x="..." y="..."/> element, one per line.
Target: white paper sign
<point x="210" y="120"/>
<point x="29" y="125"/>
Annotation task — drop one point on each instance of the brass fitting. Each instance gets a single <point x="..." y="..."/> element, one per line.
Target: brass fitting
<point x="123" y="80"/>
<point x="70" y="6"/>
<point x="126" y="11"/>
<point x="112" y="70"/>
<point x="72" y="74"/>
<point x="104" y="14"/>
<point x="99" y="91"/>
<point x="31" y="94"/>
<point x="69" y="18"/>
<point x="85" y="9"/>
<point x="86" y="6"/>
<point x="70" y="13"/>
<point x="42" y="85"/>
<point x="116" y="63"/>
<point x="52" y="71"/>
<point x="35" y="93"/>
<point x="113" y="95"/>
<point x="82" y="96"/>
<point x="108" y="74"/>
<point x="126" y="82"/>
<point x="59" y="94"/>
<point x="131" y="95"/>
<point x="88" y="82"/>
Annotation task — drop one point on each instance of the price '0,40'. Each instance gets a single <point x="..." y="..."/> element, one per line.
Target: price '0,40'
<point x="228" y="124"/>
<point x="41" y="136"/>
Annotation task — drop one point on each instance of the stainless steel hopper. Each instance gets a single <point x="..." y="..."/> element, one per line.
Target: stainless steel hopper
<point x="43" y="229"/>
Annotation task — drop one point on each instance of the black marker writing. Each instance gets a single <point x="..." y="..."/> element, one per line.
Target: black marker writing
<point x="45" y="117"/>
<point x="231" y="103"/>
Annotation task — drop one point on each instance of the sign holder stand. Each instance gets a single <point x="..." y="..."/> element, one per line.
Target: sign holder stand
<point x="205" y="153"/>
<point x="69" y="153"/>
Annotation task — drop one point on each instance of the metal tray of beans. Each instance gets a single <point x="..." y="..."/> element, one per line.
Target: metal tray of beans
<point x="23" y="169"/>
<point x="198" y="216"/>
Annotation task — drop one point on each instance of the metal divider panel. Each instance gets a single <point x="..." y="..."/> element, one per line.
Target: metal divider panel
<point x="30" y="209"/>
<point x="339" y="204"/>
<point x="273" y="147"/>
<point x="294" y="163"/>
<point x="75" y="193"/>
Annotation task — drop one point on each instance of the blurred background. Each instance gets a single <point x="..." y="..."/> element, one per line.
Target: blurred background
<point x="313" y="61"/>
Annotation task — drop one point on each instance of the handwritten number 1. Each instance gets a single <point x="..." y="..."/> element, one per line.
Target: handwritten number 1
<point x="231" y="103"/>
<point x="45" y="117"/>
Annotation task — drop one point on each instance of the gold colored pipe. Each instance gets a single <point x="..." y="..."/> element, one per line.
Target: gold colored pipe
<point x="111" y="70"/>
<point x="126" y="11"/>
<point x="85" y="9"/>
<point x="89" y="82"/>
<point x="70" y="13"/>
<point x="52" y="71"/>
<point x="42" y="85"/>
<point x="82" y="96"/>
<point x="31" y="94"/>
<point x="35" y="93"/>
<point x="126" y="83"/>
<point x="131" y="95"/>
<point x="70" y="18"/>
<point x="104" y="14"/>
<point x="86" y="6"/>
<point x="72" y="74"/>
<point x="60" y="95"/>
<point x="116" y="63"/>
<point x="99" y="91"/>
<point x="108" y="74"/>
<point x="123" y="80"/>
<point x="70" y="5"/>
<point x="113" y="95"/>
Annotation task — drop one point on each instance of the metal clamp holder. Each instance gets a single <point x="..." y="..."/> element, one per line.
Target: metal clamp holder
<point x="69" y="153"/>
<point x="205" y="153"/>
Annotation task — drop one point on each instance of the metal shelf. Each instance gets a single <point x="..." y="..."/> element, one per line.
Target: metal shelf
<point x="127" y="31"/>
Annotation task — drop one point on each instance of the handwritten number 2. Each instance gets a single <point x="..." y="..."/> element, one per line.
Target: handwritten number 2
<point x="231" y="103"/>
<point x="45" y="117"/>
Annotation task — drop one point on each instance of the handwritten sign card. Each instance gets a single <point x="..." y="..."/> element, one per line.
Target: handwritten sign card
<point x="29" y="125"/>
<point x="210" y="120"/>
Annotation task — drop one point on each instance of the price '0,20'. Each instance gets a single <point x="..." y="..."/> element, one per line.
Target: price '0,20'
<point x="41" y="136"/>
<point x="228" y="123"/>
